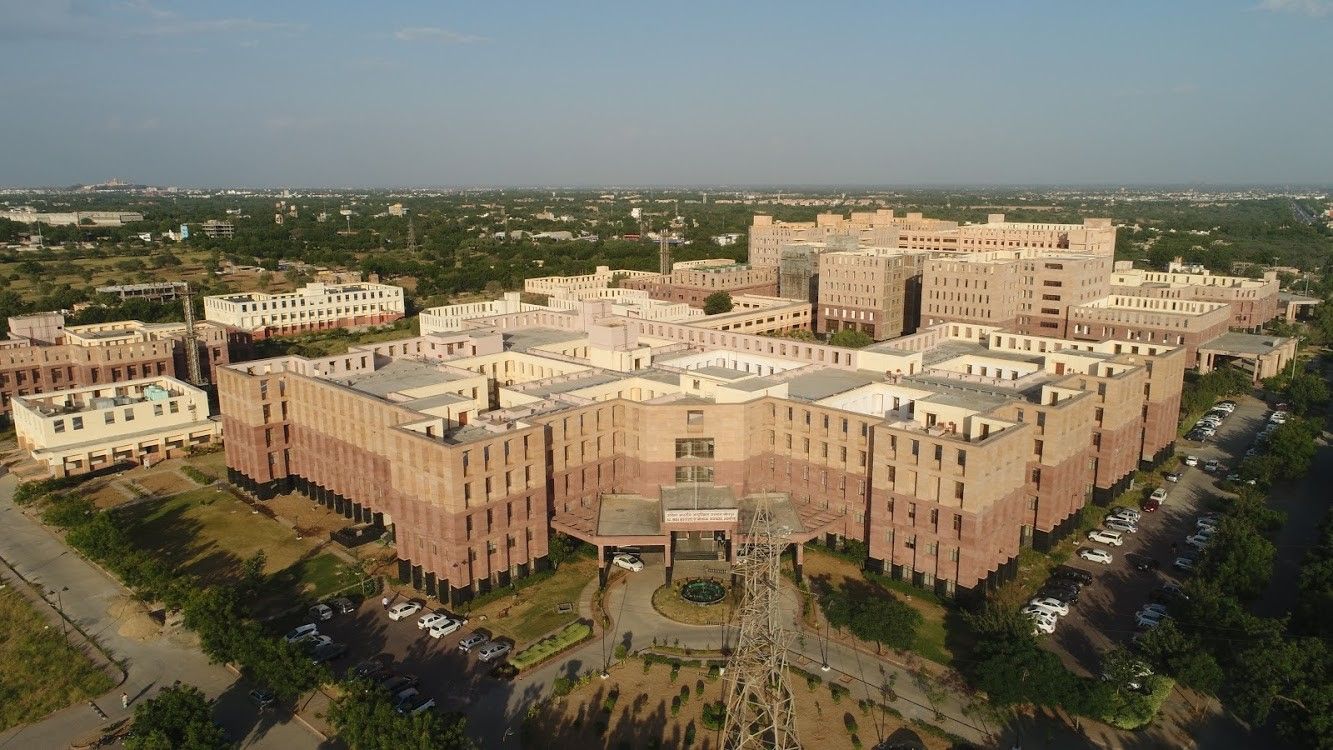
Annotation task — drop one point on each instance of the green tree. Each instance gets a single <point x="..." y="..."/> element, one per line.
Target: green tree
<point x="718" y="303"/>
<point x="1182" y="656"/>
<point x="366" y="720"/>
<point x="1011" y="668"/>
<point x="850" y="339"/>
<point x="178" y="718"/>
<point x="1238" y="558"/>
<point x="1306" y="393"/>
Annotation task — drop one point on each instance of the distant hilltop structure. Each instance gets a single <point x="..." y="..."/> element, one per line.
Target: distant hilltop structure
<point x="68" y="218"/>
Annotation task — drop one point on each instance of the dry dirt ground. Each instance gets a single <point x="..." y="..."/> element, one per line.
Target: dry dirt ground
<point x="641" y="714"/>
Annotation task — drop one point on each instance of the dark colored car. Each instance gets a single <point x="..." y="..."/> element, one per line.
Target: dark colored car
<point x="368" y="669"/>
<point x="1142" y="562"/>
<point x="1065" y="596"/>
<point x="328" y="652"/>
<point x="398" y="683"/>
<point x="1069" y="572"/>
<point x="262" y="698"/>
<point x="1149" y="505"/>
<point x="343" y="606"/>
<point x="504" y="671"/>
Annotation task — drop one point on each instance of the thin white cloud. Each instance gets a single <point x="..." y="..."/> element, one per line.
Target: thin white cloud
<point x="219" y="26"/>
<point x="435" y="34"/>
<point x="1310" y="8"/>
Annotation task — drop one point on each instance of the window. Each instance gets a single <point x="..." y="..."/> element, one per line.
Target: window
<point x="157" y="410"/>
<point x="59" y="425"/>
<point x="939" y="453"/>
<point x="688" y="474"/>
<point x="109" y="417"/>
<point x="962" y="458"/>
<point x="694" y="447"/>
<point x="77" y="423"/>
<point x="693" y="416"/>
<point x="174" y="407"/>
<point x="129" y="415"/>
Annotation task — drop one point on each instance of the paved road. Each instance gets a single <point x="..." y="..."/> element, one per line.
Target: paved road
<point x="86" y="596"/>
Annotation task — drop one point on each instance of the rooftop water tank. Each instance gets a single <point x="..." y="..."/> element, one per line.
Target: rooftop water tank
<point x="156" y="393"/>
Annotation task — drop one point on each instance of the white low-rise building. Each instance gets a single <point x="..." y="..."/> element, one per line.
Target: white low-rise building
<point x="137" y="421"/>
<point x="314" y="307"/>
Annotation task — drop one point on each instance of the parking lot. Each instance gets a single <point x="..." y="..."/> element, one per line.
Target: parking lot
<point x="1105" y="612"/>
<point x="453" y="678"/>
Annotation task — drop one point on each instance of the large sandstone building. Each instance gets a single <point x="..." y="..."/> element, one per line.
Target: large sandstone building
<point x="43" y="355"/>
<point x="945" y="452"/>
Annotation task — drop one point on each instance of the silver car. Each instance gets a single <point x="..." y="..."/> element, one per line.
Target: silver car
<point x="492" y="651"/>
<point x="472" y="641"/>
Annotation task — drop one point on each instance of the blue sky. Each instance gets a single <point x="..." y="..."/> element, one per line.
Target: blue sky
<point x="581" y="93"/>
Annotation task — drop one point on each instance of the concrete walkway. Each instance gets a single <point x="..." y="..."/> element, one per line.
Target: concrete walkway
<point x="87" y="596"/>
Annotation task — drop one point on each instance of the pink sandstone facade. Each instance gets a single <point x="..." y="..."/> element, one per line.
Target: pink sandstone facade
<point x="945" y="452"/>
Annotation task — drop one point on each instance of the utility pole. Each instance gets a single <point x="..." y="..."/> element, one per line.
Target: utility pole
<point x="759" y="701"/>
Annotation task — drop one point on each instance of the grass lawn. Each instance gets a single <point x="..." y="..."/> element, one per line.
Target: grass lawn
<point x="531" y="613"/>
<point x="39" y="671"/>
<point x="824" y="569"/>
<point x="209" y="533"/>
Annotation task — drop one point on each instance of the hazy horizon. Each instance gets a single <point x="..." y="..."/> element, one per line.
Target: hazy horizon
<point x="509" y="96"/>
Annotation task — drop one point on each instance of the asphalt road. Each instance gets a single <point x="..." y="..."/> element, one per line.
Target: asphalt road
<point x="86" y="596"/>
<point x="1104" y="614"/>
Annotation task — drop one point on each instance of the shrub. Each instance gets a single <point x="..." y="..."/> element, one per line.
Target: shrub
<point x="849" y="721"/>
<point x="609" y="704"/>
<point x="684" y="693"/>
<point x="837" y="692"/>
<point x="198" y="476"/>
<point x="689" y="734"/>
<point x="571" y="634"/>
<point x="813" y="681"/>
<point x="714" y="671"/>
<point x="621" y="651"/>
<point x="856" y="742"/>
<point x="68" y="511"/>
<point x="699" y="687"/>
<point x="675" y="670"/>
<point x="675" y="705"/>
<point x="714" y="716"/>
<point x="562" y="686"/>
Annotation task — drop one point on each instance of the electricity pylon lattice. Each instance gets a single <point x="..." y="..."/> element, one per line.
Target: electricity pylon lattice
<point x="759" y="701"/>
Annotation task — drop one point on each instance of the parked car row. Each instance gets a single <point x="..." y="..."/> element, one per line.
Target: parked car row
<point x="1209" y="423"/>
<point x="320" y="648"/>
<point x="438" y="624"/>
<point x="1055" y="598"/>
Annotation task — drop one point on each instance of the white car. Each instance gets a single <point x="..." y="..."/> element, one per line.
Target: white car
<point x="1199" y="540"/>
<point x="1096" y="555"/>
<point x="1278" y="417"/>
<point x="1207" y="523"/>
<point x="1121" y="525"/>
<point x="1159" y="494"/>
<point x="1054" y="605"/>
<point x="1043" y="625"/>
<point x="430" y="620"/>
<point x="492" y="651"/>
<point x="1191" y="460"/>
<point x="301" y="632"/>
<point x="627" y="561"/>
<point x="1102" y="536"/>
<point x="404" y="610"/>
<point x="444" y="627"/>
<point x="1149" y="619"/>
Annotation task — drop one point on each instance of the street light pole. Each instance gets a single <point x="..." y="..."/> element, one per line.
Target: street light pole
<point x="60" y="607"/>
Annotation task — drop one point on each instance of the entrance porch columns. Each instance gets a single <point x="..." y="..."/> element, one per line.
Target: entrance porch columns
<point x="666" y="556"/>
<point x="602" y="568"/>
<point x="800" y="561"/>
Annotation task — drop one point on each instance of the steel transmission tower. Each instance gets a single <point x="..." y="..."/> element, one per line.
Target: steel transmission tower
<point x="411" y="233"/>
<point x="759" y="701"/>
<point x="664" y="252"/>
